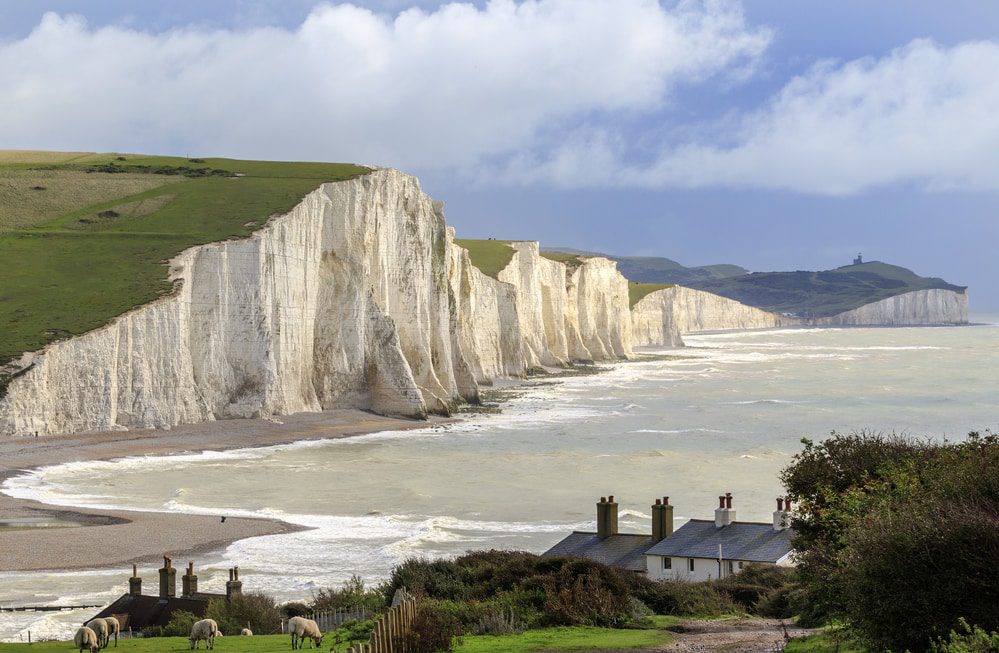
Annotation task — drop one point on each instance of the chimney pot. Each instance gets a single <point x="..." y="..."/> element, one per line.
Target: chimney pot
<point x="665" y="501"/>
<point x="603" y="499"/>
<point x="659" y="502"/>
<point x="135" y="571"/>
<point x="780" y="503"/>
<point x="610" y="499"/>
<point x="728" y="500"/>
<point x="721" y="503"/>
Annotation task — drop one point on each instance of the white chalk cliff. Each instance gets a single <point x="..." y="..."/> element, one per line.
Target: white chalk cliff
<point x="662" y="317"/>
<point x="356" y="298"/>
<point x="917" y="308"/>
<point x="359" y="298"/>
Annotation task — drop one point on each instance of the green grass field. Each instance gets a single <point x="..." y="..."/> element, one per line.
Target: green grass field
<point x="829" y="642"/>
<point x="578" y="638"/>
<point x="548" y="639"/>
<point x="256" y="644"/>
<point x="490" y="256"/>
<point x="636" y="291"/>
<point x="90" y="246"/>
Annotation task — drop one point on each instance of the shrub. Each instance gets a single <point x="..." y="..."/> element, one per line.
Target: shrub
<point x="757" y="584"/>
<point x="438" y="579"/>
<point x="353" y="594"/>
<point x="294" y="609"/>
<point x="435" y="628"/>
<point x="898" y="536"/>
<point x="940" y="559"/>
<point x="678" y="597"/>
<point x="257" y="611"/>
<point x="179" y="625"/>
<point x="586" y="598"/>
<point x="970" y="639"/>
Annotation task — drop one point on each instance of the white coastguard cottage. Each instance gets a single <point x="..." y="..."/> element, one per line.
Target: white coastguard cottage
<point x="699" y="550"/>
<point x="703" y="549"/>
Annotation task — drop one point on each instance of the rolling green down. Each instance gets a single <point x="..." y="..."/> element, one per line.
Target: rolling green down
<point x="574" y="638"/>
<point x="636" y="291"/>
<point x="489" y="256"/>
<point x="821" y="294"/>
<point x="86" y="237"/>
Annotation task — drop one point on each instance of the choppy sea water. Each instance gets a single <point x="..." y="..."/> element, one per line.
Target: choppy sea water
<point x="723" y="415"/>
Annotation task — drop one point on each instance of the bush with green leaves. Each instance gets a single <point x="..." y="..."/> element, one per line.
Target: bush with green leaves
<point x="761" y="589"/>
<point x="179" y="626"/>
<point x="252" y="610"/>
<point x="967" y="639"/>
<point x="681" y="598"/>
<point x="898" y="537"/>
<point x="435" y="629"/>
<point x="352" y="595"/>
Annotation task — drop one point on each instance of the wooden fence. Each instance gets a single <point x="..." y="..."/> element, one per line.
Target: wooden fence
<point x="333" y="619"/>
<point x="389" y="634"/>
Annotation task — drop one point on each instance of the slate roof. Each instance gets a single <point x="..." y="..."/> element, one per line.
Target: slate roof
<point x="624" y="550"/>
<point x="145" y="611"/>
<point x="749" y="541"/>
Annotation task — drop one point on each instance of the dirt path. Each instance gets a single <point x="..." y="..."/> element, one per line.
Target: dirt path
<point x="734" y="635"/>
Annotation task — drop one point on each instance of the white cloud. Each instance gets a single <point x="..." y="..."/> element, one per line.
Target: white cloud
<point x="924" y="114"/>
<point x="443" y="89"/>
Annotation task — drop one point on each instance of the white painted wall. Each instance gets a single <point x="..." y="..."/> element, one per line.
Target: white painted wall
<point x="704" y="568"/>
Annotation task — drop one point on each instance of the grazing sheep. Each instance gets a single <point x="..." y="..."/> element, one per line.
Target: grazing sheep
<point x="86" y="639"/>
<point x="100" y="627"/>
<point x="206" y="629"/>
<point x="246" y="632"/>
<point x="302" y="628"/>
<point x="113" y="629"/>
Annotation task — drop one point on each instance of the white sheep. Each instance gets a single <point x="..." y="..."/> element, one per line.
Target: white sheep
<point x="86" y="638"/>
<point x="206" y="629"/>
<point x="246" y="632"/>
<point x="301" y="628"/>
<point x="100" y="628"/>
<point x="113" y="629"/>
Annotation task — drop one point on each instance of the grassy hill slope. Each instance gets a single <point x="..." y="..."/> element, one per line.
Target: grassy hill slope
<point x="802" y="293"/>
<point x="821" y="294"/>
<point x="85" y="237"/>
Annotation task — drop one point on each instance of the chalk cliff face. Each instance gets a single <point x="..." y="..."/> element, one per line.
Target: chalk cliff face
<point x="360" y="298"/>
<point x="917" y="308"/>
<point x="661" y="317"/>
<point x="344" y="301"/>
<point x="568" y="313"/>
<point x="489" y="329"/>
<point x="356" y="298"/>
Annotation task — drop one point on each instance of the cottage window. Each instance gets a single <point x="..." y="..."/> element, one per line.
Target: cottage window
<point x="731" y="567"/>
<point x="690" y="564"/>
<point x="740" y="565"/>
<point x="667" y="563"/>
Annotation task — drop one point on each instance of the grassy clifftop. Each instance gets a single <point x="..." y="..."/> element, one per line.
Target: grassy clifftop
<point x="85" y="237"/>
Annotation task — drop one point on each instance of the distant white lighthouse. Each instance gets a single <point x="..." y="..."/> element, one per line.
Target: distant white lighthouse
<point x="859" y="259"/>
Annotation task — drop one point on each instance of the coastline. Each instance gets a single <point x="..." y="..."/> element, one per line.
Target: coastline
<point x="114" y="538"/>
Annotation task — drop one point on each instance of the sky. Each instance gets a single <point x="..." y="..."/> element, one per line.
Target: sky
<point x="775" y="135"/>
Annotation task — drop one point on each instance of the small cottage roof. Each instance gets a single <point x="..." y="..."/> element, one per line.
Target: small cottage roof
<point x="623" y="550"/>
<point x="748" y="541"/>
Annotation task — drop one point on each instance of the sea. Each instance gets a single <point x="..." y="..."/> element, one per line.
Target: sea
<point x="725" y="414"/>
